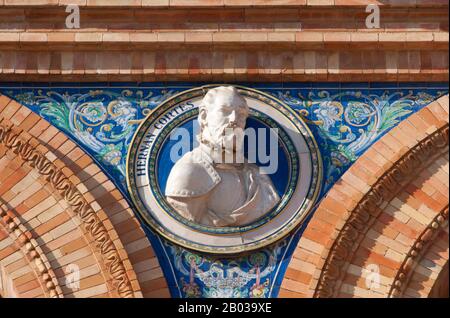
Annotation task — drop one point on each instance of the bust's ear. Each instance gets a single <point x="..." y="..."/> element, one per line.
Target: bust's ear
<point x="202" y="117"/>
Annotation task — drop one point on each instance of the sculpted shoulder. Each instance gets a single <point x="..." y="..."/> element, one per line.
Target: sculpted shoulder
<point x="191" y="176"/>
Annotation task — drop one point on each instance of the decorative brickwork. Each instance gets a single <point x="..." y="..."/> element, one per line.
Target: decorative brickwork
<point x="11" y="225"/>
<point x="376" y="212"/>
<point x="419" y="248"/>
<point x="232" y="40"/>
<point x="388" y="212"/>
<point x="62" y="209"/>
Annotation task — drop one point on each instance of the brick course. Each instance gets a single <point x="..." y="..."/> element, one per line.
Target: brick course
<point x="224" y="40"/>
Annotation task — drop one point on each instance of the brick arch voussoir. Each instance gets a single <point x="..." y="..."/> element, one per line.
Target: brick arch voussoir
<point x="18" y="255"/>
<point x="351" y="208"/>
<point x="430" y="246"/>
<point x="128" y="261"/>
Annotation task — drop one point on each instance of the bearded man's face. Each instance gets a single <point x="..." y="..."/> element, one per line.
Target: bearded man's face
<point x="225" y="124"/>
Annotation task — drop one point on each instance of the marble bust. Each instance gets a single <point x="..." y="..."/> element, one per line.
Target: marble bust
<point x="208" y="188"/>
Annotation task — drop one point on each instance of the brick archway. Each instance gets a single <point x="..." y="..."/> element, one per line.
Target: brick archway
<point x="425" y="262"/>
<point x="59" y="212"/>
<point x="388" y="213"/>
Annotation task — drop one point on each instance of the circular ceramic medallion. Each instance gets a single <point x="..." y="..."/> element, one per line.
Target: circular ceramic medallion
<point x="285" y="160"/>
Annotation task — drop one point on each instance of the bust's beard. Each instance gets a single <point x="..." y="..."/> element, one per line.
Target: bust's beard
<point x="225" y="142"/>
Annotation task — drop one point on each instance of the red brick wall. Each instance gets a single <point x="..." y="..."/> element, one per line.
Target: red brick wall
<point x="61" y="209"/>
<point x="226" y="40"/>
<point x="390" y="209"/>
<point x="322" y="40"/>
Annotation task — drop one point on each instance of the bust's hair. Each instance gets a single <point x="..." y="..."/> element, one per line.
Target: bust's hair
<point x="209" y="97"/>
<point x="208" y="100"/>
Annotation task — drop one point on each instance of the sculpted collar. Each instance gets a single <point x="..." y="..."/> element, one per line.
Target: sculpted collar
<point x="195" y="174"/>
